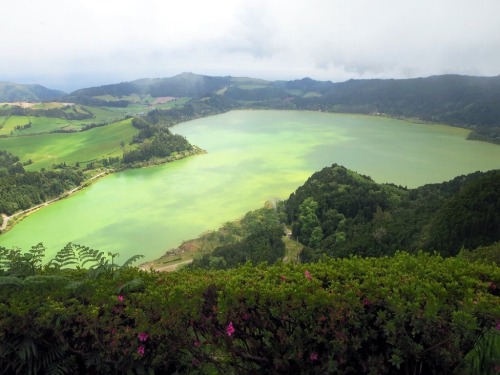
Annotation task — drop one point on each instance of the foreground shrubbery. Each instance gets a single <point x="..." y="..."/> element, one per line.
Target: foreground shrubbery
<point x="405" y="314"/>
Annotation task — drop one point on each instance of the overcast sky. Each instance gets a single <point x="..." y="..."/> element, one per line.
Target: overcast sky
<point x="80" y="43"/>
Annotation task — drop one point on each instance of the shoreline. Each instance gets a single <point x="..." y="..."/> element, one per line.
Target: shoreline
<point x="5" y="226"/>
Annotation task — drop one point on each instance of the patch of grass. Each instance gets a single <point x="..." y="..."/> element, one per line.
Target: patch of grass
<point x="41" y="125"/>
<point x="295" y="92"/>
<point x="11" y="122"/>
<point x="49" y="105"/>
<point x="253" y="81"/>
<point x="311" y="94"/>
<point x="47" y="149"/>
<point x="292" y="250"/>
<point x="252" y="86"/>
<point x="174" y="103"/>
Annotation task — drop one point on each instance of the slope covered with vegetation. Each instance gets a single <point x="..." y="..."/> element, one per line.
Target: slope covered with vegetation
<point x="464" y="101"/>
<point x="20" y="190"/>
<point x="417" y="314"/>
<point x="15" y="92"/>
<point x="339" y="212"/>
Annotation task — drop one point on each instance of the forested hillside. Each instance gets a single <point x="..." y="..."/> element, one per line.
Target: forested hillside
<point x="465" y="101"/>
<point x="20" y="190"/>
<point x="339" y="212"/>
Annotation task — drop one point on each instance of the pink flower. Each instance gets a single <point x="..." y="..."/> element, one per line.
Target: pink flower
<point x="313" y="356"/>
<point x="140" y="350"/>
<point x="367" y="302"/>
<point x="120" y="298"/>
<point x="230" y="329"/>
<point x="283" y="278"/>
<point x="497" y="327"/>
<point x="197" y="344"/>
<point x="308" y="275"/>
<point x="143" y="336"/>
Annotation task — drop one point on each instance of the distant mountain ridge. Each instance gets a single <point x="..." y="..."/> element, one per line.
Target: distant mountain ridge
<point x="15" y="92"/>
<point x="182" y="85"/>
<point x="465" y="101"/>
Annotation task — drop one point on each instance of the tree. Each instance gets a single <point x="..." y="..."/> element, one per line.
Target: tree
<point x="308" y="222"/>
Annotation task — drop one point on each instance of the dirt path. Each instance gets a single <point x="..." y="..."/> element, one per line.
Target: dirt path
<point x="169" y="268"/>
<point x="5" y="218"/>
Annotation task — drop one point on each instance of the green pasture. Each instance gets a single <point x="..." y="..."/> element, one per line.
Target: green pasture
<point x="49" y="105"/>
<point x="175" y="103"/>
<point x="40" y="125"/>
<point x="134" y="98"/>
<point x="295" y="92"/>
<point x="47" y="149"/>
<point x="311" y="94"/>
<point x="251" y="86"/>
<point x="254" y="81"/>
<point x="10" y="123"/>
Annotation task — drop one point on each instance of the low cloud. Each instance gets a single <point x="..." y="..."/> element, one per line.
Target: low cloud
<point x="81" y="43"/>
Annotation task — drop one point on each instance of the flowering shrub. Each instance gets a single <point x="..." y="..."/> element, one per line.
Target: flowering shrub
<point x="393" y="315"/>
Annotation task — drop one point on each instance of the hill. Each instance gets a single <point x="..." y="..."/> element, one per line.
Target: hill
<point x="463" y="101"/>
<point x="14" y="92"/>
<point x="341" y="213"/>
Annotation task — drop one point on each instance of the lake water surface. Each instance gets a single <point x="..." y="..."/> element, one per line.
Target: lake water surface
<point x="253" y="156"/>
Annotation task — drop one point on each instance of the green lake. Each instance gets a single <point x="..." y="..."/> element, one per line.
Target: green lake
<point x="253" y="156"/>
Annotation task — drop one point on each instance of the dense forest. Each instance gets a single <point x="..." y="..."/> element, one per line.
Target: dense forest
<point x="339" y="212"/>
<point x="21" y="189"/>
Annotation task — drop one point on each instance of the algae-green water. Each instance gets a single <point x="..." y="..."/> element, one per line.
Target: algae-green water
<point x="253" y="156"/>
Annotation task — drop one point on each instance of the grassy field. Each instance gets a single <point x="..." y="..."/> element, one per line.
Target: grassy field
<point x="47" y="149"/>
<point x="10" y="123"/>
<point x="40" y="144"/>
<point x="42" y="124"/>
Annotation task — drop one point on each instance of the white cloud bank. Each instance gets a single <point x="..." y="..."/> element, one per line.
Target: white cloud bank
<point x="79" y="43"/>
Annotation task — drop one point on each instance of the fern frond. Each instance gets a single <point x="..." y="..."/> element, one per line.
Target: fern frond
<point x="57" y="368"/>
<point x="131" y="260"/>
<point x="87" y="255"/>
<point x="96" y="271"/>
<point x="135" y="285"/>
<point x="65" y="257"/>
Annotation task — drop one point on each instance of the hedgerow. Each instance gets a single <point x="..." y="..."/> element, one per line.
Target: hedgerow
<point x="407" y="314"/>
